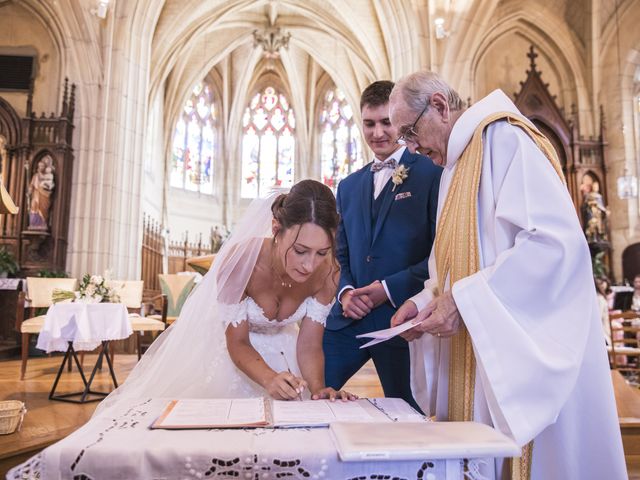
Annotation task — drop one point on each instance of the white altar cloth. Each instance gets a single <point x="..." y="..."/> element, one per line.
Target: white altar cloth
<point x="84" y="324"/>
<point x="118" y="444"/>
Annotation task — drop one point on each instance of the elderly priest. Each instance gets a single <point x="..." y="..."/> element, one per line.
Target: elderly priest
<point x="513" y="335"/>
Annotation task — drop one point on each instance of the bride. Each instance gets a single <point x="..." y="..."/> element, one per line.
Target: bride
<point x="254" y="325"/>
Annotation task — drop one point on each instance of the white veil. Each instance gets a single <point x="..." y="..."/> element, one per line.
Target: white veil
<point x="188" y="358"/>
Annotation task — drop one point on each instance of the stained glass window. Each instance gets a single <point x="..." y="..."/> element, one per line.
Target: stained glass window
<point x="341" y="147"/>
<point x="268" y="143"/>
<point x="194" y="142"/>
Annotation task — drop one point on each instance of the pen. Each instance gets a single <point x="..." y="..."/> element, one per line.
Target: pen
<point x="289" y="370"/>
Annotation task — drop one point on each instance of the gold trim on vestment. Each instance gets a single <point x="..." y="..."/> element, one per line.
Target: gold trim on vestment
<point x="458" y="256"/>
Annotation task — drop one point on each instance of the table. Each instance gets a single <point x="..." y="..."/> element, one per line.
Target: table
<point x="118" y="444"/>
<point x="69" y="327"/>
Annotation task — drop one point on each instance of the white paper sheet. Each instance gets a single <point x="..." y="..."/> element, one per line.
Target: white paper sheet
<point x="380" y="336"/>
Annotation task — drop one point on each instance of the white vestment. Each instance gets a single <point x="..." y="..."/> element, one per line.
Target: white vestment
<point x="531" y="311"/>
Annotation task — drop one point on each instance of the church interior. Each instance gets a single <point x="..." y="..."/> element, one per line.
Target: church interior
<point x="134" y="134"/>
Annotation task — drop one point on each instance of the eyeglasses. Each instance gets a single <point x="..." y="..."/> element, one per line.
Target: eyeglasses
<point x="410" y="134"/>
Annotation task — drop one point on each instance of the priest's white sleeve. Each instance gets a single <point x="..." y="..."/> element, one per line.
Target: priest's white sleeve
<point x="424" y="297"/>
<point x="528" y="309"/>
<point x="424" y="352"/>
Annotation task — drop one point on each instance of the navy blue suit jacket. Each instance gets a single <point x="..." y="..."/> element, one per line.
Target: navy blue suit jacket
<point x="397" y="248"/>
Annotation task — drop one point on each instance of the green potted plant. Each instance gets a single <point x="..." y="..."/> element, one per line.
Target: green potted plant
<point x="8" y="264"/>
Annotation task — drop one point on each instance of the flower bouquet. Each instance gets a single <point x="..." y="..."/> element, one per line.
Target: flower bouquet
<point x="92" y="289"/>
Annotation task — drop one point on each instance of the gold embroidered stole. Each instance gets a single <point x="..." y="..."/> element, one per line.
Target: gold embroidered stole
<point x="457" y="255"/>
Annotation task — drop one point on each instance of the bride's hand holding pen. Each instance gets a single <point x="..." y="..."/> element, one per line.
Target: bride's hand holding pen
<point x="297" y="383"/>
<point x="285" y="386"/>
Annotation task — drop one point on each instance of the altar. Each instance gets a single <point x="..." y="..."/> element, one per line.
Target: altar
<point x="119" y="444"/>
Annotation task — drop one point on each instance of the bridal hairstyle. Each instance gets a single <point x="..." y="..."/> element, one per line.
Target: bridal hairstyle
<point x="309" y="201"/>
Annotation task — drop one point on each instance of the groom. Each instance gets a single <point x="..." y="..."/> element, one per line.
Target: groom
<point x="387" y="227"/>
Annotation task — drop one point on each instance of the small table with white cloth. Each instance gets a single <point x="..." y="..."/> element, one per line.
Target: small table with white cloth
<point x="69" y="327"/>
<point x="118" y="443"/>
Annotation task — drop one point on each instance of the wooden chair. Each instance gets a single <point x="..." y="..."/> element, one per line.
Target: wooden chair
<point x="39" y="292"/>
<point x="625" y="341"/>
<point x="176" y="288"/>
<point x="130" y="292"/>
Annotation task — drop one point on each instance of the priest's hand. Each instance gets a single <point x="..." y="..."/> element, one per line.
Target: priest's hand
<point x="355" y="306"/>
<point x="375" y="292"/>
<point x="441" y="317"/>
<point x="420" y="316"/>
<point x="332" y="395"/>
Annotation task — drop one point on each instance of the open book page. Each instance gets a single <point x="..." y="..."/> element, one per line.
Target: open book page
<point x="318" y="412"/>
<point x="213" y="413"/>
<point x="190" y="413"/>
<point x="397" y="410"/>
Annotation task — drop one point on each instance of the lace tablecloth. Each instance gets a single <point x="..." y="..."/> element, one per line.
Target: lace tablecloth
<point x="10" y="283"/>
<point x="85" y="324"/>
<point x="119" y="445"/>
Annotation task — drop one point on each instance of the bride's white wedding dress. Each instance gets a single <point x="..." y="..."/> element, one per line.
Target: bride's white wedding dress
<point x="271" y="338"/>
<point x="190" y="359"/>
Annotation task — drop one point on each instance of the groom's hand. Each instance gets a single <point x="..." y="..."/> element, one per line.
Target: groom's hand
<point x="375" y="292"/>
<point x="355" y="306"/>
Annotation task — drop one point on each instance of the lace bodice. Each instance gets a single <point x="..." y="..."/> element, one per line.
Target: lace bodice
<point x="250" y="311"/>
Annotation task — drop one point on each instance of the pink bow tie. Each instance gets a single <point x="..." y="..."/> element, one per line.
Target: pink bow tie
<point x="388" y="163"/>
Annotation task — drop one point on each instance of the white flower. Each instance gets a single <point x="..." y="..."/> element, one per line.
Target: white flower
<point x="399" y="175"/>
<point x="90" y="290"/>
<point x="114" y="297"/>
<point x="96" y="279"/>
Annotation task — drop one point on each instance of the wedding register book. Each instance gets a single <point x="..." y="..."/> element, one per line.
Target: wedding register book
<point x="260" y="412"/>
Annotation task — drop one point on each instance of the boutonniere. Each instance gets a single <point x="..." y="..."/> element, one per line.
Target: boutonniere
<point x="399" y="175"/>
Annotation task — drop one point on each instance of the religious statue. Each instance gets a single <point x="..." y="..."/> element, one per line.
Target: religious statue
<point x="40" y="190"/>
<point x="594" y="213"/>
<point x="216" y="239"/>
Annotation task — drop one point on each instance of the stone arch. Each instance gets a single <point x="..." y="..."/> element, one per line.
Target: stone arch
<point x="333" y="22"/>
<point x="326" y="37"/>
<point x="556" y="50"/>
<point x="35" y="35"/>
<point x="10" y="125"/>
